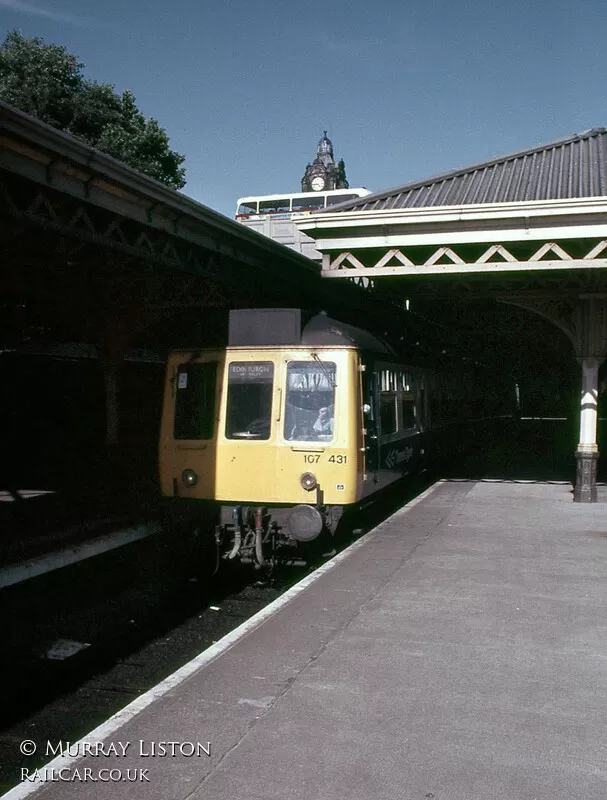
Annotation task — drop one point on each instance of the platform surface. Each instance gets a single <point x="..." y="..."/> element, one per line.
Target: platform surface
<point x="457" y="652"/>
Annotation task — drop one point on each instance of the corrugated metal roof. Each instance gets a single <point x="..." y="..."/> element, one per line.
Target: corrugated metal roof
<point x="568" y="168"/>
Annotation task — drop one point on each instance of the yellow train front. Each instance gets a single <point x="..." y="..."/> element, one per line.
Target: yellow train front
<point x="271" y="430"/>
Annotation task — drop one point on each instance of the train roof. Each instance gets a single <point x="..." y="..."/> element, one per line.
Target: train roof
<point x="292" y="327"/>
<point x="322" y="330"/>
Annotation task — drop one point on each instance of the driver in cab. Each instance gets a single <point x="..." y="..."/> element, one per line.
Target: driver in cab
<point x="324" y="421"/>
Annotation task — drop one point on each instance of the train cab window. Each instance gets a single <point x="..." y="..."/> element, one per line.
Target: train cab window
<point x="387" y="413"/>
<point x="195" y="401"/>
<point x="249" y="409"/>
<point x="310" y="401"/>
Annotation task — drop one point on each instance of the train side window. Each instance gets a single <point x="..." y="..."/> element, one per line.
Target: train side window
<point x="408" y="414"/>
<point x="249" y="409"/>
<point x="195" y="401"/>
<point x="310" y="402"/>
<point x="423" y="407"/>
<point x="387" y="413"/>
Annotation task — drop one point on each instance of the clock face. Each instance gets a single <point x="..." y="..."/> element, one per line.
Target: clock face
<point x="318" y="183"/>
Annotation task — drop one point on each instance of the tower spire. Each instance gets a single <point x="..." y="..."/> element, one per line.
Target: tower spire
<point x="323" y="173"/>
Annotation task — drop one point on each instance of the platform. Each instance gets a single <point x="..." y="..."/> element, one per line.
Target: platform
<point x="456" y="652"/>
<point x="42" y="530"/>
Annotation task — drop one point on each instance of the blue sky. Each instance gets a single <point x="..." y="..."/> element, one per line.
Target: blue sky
<point x="405" y="89"/>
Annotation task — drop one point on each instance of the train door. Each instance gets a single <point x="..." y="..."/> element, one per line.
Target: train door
<point x="189" y="428"/>
<point x="247" y="452"/>
<point x="370" y="416"/>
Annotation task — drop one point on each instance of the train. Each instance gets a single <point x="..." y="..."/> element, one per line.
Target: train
<point x="297" y="420"/>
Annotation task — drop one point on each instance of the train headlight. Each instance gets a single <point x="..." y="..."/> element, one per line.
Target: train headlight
<point x="308" y="481"/>
<point x="189" y="477"/>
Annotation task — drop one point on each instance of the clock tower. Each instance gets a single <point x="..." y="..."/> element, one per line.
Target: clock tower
<point x="323" y="173"/>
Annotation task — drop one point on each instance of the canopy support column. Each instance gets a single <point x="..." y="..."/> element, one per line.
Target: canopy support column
<point x="587" y="453"/>
<point x="591" y="347"/>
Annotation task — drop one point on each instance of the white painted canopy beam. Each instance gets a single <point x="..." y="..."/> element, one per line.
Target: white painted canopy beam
<point x="457" y="269"/>
<point x="413" y="238"/>
<point x="546" y="220"/>
<point x="568" y="209"/>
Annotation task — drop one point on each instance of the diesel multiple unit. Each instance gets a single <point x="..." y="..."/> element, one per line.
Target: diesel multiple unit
<point x="296" y="420"/>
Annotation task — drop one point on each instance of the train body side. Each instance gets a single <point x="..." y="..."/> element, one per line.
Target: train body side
<point x="397" y="421"/>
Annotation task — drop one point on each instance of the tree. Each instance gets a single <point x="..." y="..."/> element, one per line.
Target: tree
<point x="342" y="181"/>
<point x="46" y="81"/>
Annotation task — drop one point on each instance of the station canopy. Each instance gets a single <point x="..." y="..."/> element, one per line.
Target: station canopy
<point x="540" y="210"/>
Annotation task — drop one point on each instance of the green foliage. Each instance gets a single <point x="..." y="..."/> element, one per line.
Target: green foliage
<point x="42" y="80"/>
<point x="97" y="106"/>
<point x="342" y="181"/>
<point x="141" y="143"/>
<point x="46" y="81"/>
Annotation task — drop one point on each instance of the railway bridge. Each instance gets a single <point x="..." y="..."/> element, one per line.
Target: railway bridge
<point x="528" y="229"/>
